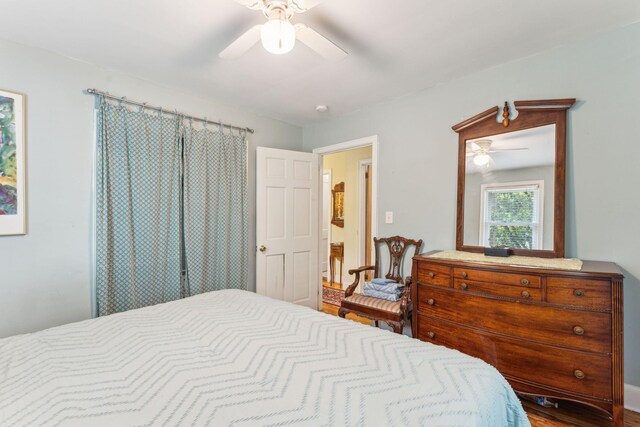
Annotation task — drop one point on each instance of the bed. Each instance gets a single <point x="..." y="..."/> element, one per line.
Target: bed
<point x="236" y="358"/>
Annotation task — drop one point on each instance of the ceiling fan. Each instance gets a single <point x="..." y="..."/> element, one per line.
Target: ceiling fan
<point x="479" y="151"/>
<point x="278" y="35"/>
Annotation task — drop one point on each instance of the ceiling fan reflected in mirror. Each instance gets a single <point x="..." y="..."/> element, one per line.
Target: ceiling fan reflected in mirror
<point x="479" y="151"/>
<point x="278" y="34"/>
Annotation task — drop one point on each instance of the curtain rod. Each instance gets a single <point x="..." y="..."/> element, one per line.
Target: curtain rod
<point x="151" y="107"/>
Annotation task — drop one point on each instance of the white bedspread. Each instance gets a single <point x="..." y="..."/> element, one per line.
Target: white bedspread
<point x="237" y="358"/>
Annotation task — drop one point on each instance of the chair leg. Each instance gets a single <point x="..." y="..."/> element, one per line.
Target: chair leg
<point x="342" y="312"/>
<point x="375" y="322"/>
<point x="396" y="326"/>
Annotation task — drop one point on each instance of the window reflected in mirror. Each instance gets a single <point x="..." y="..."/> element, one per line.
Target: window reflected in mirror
<point x="509" y="189"/>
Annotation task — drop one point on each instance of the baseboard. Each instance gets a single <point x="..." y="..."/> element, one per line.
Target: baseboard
<point x="632" y="397"/>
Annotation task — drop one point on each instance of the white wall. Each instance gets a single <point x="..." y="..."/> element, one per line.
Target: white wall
<point x="45" y="276"/>
<point x="418" y="152"/>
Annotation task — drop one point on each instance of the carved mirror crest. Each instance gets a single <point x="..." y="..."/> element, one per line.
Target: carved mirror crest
<point x="511" y="179"/>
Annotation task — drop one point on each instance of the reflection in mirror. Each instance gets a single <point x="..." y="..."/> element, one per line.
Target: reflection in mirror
<point x="339" y="209"/>
<point x="509" y="189"/>
<point x="338" y="205"/>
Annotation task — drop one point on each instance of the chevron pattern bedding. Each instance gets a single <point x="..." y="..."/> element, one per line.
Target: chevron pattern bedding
<point x="236" y="358"/>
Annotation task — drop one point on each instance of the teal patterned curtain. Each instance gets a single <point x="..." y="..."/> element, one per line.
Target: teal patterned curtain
<point x="170" y="198"/>
<point x="138" y="252"/>
<point x="215" y="210"/>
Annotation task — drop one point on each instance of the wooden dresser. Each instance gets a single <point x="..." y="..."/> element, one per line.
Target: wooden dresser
<point x="554" y="333"/>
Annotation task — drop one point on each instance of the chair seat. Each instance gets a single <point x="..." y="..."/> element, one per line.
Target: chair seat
<point x="377" y="303"/>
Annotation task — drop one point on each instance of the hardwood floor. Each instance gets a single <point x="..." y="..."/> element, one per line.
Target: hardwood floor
<point x="569" y="415"/>
<point x="572" y="414"/>
<point x="333" y="310"/>
<point x="334" y="285"/>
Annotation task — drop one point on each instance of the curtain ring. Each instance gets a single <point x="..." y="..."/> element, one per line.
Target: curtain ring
<point x="206" y="122"/>
<point x="160" y="112"/>
<point x="220" y="126"/>
<point x="143" y="107"/>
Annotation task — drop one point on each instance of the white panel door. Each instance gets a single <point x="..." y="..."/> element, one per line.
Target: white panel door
<point x="287" y="225"/>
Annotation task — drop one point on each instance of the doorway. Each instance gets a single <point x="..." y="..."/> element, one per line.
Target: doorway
<point x="351" y="167"/>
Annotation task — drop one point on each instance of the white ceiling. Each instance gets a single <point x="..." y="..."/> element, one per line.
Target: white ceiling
<point x="395" y="47"/>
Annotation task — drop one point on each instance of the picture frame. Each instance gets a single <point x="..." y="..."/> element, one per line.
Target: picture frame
<point x="13" y="198"/>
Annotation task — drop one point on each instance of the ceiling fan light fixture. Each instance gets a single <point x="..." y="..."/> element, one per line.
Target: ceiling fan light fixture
<point x="278" y="36"/>
<point x="481" y="159"/>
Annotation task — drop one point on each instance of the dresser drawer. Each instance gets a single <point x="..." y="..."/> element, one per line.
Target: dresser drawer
<point x="591" y="294"/>
<point x="584" y="373"/>
<point x="506" y="291"/>
<point x="582" y="330"/>
<point x="497" y="277"/>
<point x="434" y="274"/>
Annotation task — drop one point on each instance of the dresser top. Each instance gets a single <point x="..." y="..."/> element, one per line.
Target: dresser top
<point x="589" y="268"/>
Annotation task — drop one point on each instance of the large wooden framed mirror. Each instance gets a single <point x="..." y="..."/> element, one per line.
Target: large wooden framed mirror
<point x="511" y="179"/>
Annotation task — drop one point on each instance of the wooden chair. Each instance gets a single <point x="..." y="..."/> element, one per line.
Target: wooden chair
<point x="391" y="312"/>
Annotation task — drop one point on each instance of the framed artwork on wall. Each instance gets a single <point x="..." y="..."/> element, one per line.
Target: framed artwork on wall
<point x="12" y="164"/>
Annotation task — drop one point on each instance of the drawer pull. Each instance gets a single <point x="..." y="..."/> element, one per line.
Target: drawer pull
<point x="578" y="374"/>
<point x="578" y="330"/>
<point x="464" y="275"/>
<point x="524" y="282"/>
<point x="464" y="286"/>
<point x="431" y="301"/>
<point x="431" y="335"/>
<point x="578" y="292"/>
<point x="432" y="274"/>
<point x="525" y="294"/>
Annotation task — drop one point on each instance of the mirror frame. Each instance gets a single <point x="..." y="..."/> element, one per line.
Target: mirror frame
<point x="335" y="220"/>
<point x="531" y="114"/>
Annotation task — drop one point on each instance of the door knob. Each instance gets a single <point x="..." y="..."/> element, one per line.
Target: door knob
<point x="262" y="248"/>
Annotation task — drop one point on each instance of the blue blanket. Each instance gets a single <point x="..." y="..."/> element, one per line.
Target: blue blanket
<point x="382" y="295"/>
<point x="391" y="287"/>
<point x="380" y="281"/>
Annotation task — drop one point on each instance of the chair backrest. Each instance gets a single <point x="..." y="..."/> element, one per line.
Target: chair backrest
<point x="397" y="248"/>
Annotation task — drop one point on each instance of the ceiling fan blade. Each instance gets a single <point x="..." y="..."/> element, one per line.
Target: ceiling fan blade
<point x="320" y="44"/>
<point x="242" y="44"/>
<point x="301" y="5"/>
<point x="251" y="4"/>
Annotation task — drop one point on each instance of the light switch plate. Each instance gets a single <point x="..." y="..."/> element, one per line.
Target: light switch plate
<point x="388" y="217"/>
